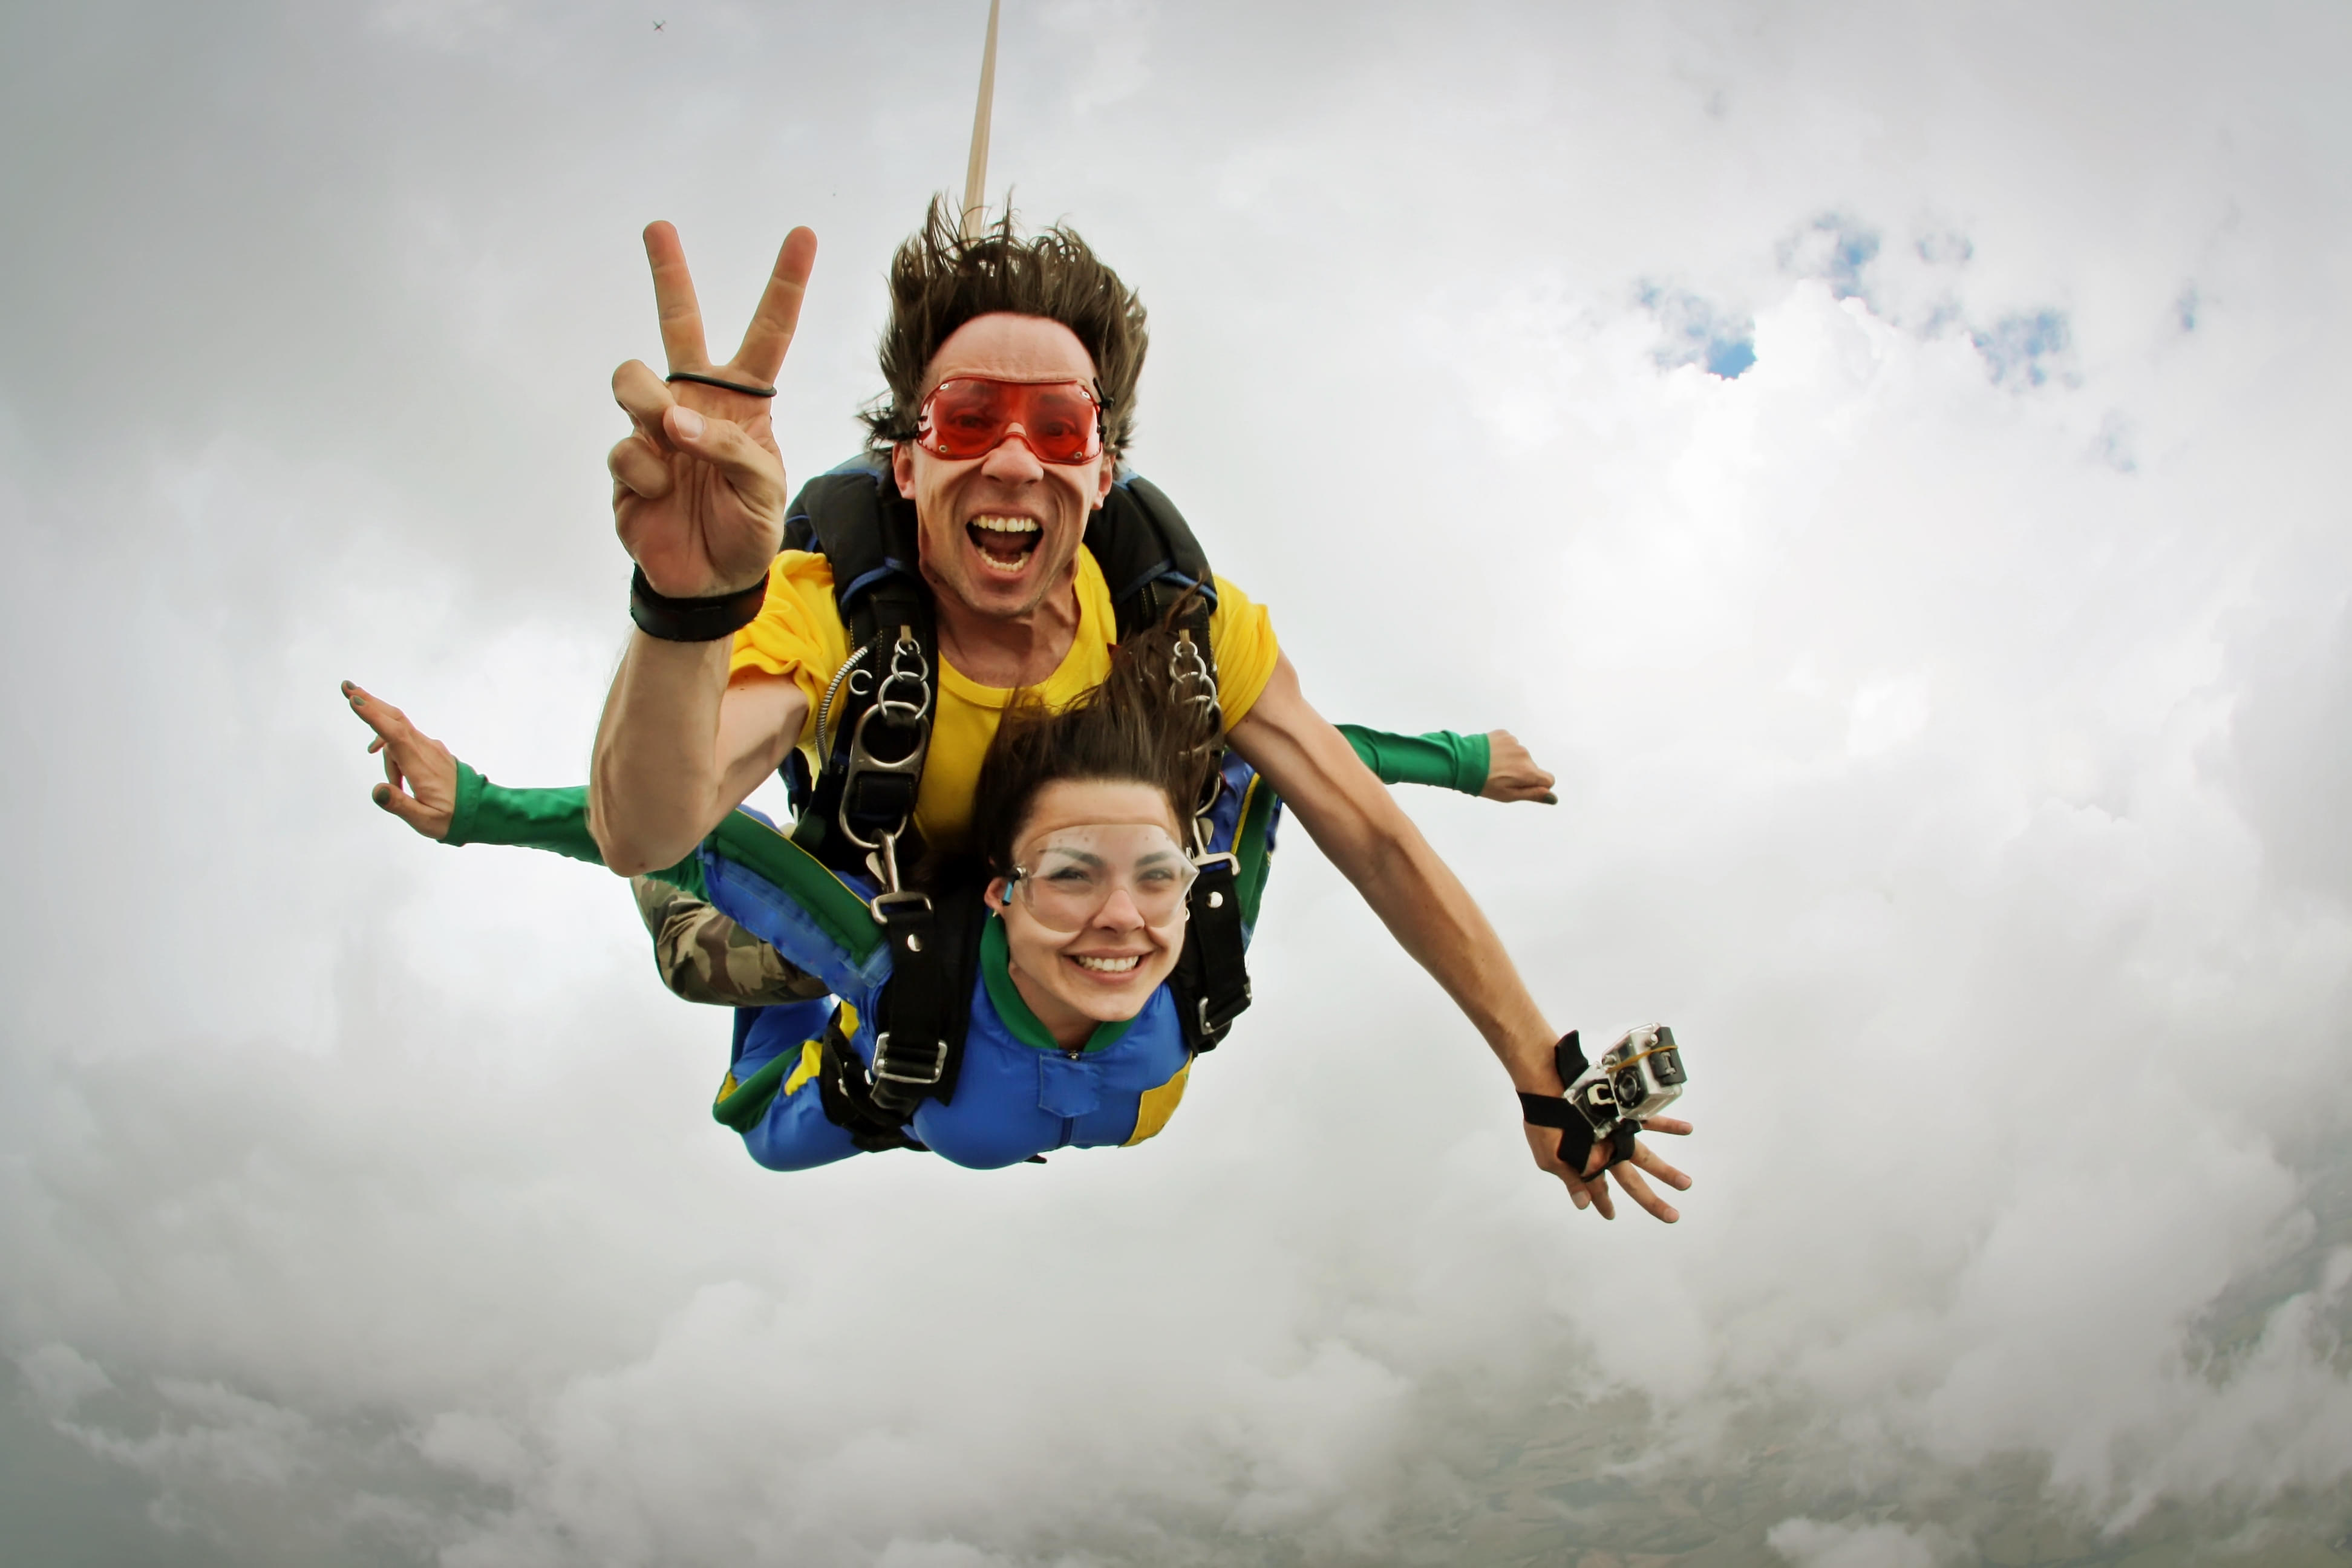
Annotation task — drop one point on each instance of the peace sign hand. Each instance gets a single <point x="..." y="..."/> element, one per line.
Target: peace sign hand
<point x="699" y="485"/>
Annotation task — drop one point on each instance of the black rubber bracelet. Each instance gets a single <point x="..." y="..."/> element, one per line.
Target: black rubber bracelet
<point x="745" y="388"/>
<point x="693" y="620"/>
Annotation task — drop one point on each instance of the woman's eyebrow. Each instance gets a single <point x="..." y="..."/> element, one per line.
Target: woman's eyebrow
<point x="1082" y="857"/>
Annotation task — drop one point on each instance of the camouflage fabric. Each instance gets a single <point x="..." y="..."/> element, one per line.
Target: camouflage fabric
<point x="703" y="956"/>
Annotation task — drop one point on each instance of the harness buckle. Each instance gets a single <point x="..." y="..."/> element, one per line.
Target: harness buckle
<point x="885" y="1068"/>
<point x="1216" y="1023"/>
<point x="881" y="905"/>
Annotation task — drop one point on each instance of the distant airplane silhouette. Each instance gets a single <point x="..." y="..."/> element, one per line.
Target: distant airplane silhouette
<point x="659" y="26"/>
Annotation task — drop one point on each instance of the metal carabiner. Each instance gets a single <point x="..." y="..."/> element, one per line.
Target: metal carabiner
<point x="1188" y="673"/>
<point x="896" y="711"/>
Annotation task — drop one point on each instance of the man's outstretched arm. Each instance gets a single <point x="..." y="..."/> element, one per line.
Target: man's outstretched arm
<point x="1353" y="819"/>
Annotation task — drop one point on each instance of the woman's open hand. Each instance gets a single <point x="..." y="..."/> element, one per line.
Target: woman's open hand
<point x="1512" y="774"/>
<point x="420" y="774"/>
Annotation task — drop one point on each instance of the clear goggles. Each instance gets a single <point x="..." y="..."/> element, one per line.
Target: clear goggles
<point x="969" y="416"/>
<point x="1071" y="875"/>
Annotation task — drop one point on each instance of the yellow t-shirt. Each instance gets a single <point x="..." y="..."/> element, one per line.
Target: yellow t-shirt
<point x="799" y="634"/>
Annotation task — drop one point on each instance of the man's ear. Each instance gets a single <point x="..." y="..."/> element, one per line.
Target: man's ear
<point x="902" y="467"/>
<point x="1104" y="478"/>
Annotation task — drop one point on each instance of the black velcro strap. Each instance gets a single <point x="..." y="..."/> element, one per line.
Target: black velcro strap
<point x="1576" y="1134"/>
<point x="1567" y="1055"/>
<point x="1550" y="1110"/>
<point x="693" y="620"/>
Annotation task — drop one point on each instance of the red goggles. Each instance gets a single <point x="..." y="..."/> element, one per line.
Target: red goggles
<point x="969" y="416"/>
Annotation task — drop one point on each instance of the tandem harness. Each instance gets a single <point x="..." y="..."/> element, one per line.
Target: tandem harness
<point x="872" y="732"/>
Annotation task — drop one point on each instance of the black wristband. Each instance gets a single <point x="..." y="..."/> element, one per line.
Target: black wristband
<point x="693" y="620"/>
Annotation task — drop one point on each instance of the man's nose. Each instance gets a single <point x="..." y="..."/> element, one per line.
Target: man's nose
<point x="1012" y="462"/>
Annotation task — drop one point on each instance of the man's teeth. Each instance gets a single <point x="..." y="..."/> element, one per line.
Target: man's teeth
<point x="1110" y="965"/>
<point x="1019" y="535"/>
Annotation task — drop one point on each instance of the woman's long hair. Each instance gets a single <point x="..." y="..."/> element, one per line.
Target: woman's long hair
<point x="1139" y="726"/>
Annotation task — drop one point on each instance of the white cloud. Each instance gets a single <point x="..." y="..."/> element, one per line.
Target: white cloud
<point x="1809" y="1543"/>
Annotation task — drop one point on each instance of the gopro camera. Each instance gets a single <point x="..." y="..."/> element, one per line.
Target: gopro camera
<point x="1634" y="1080"/>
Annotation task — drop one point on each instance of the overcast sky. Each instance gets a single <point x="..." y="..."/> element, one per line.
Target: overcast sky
<point x="1885" y="458"/>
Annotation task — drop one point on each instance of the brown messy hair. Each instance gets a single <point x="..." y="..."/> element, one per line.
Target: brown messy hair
<point x="1134" y="727"/>
<point x="939" y="280"/>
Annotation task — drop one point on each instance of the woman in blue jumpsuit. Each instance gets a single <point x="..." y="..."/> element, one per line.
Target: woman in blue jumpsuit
<point x="1073" y="1038"/>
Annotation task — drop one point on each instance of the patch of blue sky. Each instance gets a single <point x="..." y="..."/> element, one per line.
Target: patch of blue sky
<point x="1691" y="330"/>
<point x="2023" y="350"/>
<point x="2113" y="445"/>
<point x="1947" y="249"/>
<point x="1835" y="249"/>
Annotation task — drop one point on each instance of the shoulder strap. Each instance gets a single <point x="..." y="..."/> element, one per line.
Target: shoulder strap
<point x="874" y="724"/>
<point x="1148" y="555"/>
<point x="1150" y="560"/>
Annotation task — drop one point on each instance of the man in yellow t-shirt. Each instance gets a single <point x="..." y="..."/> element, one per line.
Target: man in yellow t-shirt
<point x="1012" y="367"/>
<point x="799" y="636"/>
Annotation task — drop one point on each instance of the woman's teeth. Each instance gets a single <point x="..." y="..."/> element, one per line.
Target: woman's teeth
<point x="1108" y="965"/>
<point x="1005" y="542"/>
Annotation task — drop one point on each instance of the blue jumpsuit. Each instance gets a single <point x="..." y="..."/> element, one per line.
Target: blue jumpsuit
<point x="1017" y="1093"/>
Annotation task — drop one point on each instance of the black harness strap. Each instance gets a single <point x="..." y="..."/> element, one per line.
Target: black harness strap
<point x="856" y="519"/>
<point x="847" y="1095"/>
<point x="1150" y="560"/>
<point x="924" y="1010"/>
<point x="920" y="1017"/>
<point x="1148" y="554"/>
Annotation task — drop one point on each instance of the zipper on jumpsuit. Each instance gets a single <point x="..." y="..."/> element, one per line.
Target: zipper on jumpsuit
<point x="1070" y="1123"/>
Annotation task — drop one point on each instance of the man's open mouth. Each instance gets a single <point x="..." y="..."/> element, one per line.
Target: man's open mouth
<point x="1005" y="543"/>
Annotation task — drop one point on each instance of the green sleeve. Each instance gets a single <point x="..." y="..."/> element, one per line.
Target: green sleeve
<point x="555" y="820"/>
<point x="1441" y="758"/>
